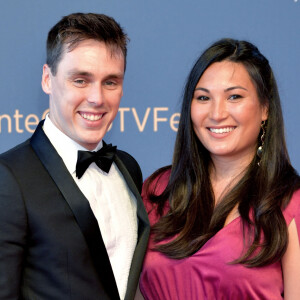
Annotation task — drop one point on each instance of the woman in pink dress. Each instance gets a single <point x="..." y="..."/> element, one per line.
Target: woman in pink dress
<point x="226" y="215"/>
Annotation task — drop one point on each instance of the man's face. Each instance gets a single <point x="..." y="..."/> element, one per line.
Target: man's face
<point x="86" y="91"/>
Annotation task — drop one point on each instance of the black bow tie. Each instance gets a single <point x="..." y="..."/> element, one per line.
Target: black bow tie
<point x="103" y="159"/>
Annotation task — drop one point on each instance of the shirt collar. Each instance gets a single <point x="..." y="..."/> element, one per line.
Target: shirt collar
<point x="65" y="146"/>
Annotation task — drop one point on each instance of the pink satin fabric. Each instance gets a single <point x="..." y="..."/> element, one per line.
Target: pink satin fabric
<point x="207" y="274"/>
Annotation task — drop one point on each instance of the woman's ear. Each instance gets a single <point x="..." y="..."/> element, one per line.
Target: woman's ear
<point x="265" y="111"/>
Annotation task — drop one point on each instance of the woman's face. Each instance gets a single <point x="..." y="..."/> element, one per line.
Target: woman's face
<point x="226" y="112"/>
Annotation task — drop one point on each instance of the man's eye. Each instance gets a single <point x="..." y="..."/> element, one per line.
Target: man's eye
<point x="110" y="83"/>
<point x="79" y="81"/>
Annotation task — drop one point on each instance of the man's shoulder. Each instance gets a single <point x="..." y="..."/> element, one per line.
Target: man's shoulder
<point x="129" y="161"/>
<point x="126" y="156"/>
<point x="24" y="146"/>
<point x="16" y="151"/>
<point x="15" y="161"/>
<point x="20" y="156"/>
<point x="132" y="167"/>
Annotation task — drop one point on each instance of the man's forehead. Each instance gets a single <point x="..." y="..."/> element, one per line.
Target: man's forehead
<point x="68" y="50"/>
<point x="71" y="45"/>
<point x="82" y="72"/>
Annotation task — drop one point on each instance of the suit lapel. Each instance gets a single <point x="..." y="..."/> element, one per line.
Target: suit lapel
<point x="143" y="233"/>
<point x="79" y="206"/>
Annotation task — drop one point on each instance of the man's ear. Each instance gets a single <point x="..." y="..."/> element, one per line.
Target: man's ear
<point x="46" y="79"/>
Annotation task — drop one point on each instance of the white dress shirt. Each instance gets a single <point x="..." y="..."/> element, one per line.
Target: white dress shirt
<point x="111" y="201"/>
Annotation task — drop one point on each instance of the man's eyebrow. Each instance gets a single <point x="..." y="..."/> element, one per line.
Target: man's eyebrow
<point x="115" y="75"/>
<point x="80" y="73"/>
<point x="89" y="74"/>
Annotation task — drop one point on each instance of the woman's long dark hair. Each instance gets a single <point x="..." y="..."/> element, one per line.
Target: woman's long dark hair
<point x="261" y="193"/>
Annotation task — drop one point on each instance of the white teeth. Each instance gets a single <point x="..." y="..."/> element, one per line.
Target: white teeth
<point x="221" y="130"/>
<point x="91" y="117"/>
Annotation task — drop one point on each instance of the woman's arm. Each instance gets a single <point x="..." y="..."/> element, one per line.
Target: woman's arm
<point x="291" y="264"/>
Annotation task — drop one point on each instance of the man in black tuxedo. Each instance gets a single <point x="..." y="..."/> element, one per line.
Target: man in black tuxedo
<point x="69" y="229"/>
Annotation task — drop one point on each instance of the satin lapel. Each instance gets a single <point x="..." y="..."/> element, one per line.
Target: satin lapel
<point x="79" y="206"/>
<point x="143" y="233"/>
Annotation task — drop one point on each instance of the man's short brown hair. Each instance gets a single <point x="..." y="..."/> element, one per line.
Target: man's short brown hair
<point x="74" y="28"/>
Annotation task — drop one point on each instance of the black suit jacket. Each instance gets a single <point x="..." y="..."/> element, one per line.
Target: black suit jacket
<point x="50" y="243"/>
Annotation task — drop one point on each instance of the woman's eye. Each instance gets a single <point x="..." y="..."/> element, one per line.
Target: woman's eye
<point x="235" y="97"/>
<point x="202" y="98"/>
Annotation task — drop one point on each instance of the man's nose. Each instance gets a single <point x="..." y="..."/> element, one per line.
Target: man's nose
<point x="96" y="95"/>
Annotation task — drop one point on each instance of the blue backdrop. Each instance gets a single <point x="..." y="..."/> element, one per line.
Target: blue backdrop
<point x="166" y="37"/>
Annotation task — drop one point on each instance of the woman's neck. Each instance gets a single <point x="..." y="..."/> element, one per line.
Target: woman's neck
<point x="225" y="172"/>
